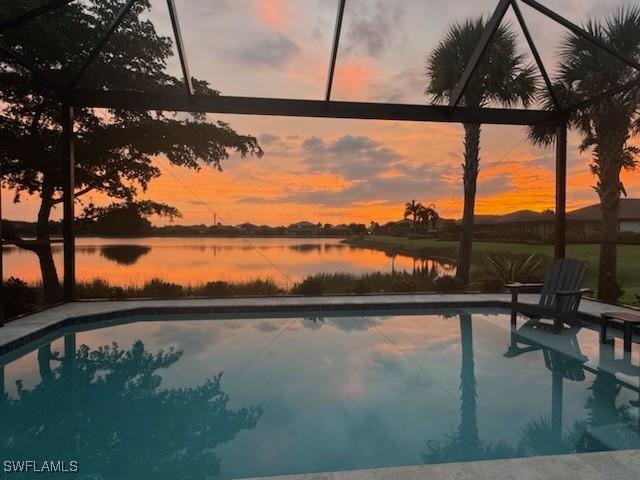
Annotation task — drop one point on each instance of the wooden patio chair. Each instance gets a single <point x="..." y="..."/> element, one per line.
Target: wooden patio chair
<point x="560" y="293"/>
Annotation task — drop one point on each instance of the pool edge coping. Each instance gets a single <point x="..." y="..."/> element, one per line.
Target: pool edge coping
<point x="30" y="328"/>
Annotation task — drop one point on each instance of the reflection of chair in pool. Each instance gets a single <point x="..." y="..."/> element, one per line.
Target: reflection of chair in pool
<point x="562" y="357"/>
<point x="611" y="422"/>
<point x="560" y="294"/>
<point x="561" y="352"/>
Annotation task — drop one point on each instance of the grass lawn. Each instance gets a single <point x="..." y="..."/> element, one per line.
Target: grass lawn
<point x="628" y="256"/>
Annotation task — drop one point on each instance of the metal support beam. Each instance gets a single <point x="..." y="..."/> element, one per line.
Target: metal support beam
<point x="311" y="108"/>
<point x="561" y="191"/>
<point x="95" y="51"/>
<point x="534" y="52"/>
<point x="334" y="49"/>
<point x="173" y="13"/>
<point x="68" y="164"/>
<point x="476" y="56"/>
<point x="580" y="32"/>
<point x="33" y="14"/>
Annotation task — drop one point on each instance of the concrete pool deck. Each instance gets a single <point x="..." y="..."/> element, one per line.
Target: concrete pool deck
<point x="622" y="465"/>
<point x="31" y="327"/>
<point x="55" y="321"/>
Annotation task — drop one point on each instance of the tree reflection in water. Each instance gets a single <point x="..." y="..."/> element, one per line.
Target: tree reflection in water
<point x="465" y="444"/>
<point x="124" y="254"/>
<point x="105" y="408"/>
<point x="544" y="435"/>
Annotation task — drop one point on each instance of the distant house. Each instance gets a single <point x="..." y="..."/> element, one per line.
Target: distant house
<point x="246" y="228"/>
<point x="302" y="228"/>
<point x="590" y="217"/>
<point x="582" y="223"/>
<point x="522" y="224"/>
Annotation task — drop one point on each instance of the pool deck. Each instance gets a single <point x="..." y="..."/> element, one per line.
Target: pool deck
<point x="26" y="329"/>
<point x="622" y="465"/>
<point x="618" y="465"/>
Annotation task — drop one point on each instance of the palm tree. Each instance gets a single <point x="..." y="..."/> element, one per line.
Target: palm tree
<point x="502" y="76"/>
<point x="412" y="209"/>
<point x="429" y="217"/>
<point x="607" y="126"/>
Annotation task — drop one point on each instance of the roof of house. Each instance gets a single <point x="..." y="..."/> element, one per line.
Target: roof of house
<point x="514" y="217"/>
<point x="629" y="210"/>
<point x="303" y="224"/>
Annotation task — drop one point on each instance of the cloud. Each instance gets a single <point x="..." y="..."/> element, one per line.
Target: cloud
<point x="257" y="200"/>
<point x="268" y="138"/>
<point x="274" y="14"/>
<point x="268" y="50"/>
<point x="402" y="87"/>
<point x="267" y="327"/>
<point x="372" y="28"/>
<point x="384" y="191"/>
<point x="352" y="157"/>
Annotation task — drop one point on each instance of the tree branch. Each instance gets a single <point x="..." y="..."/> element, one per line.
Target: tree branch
<point x="79" y="193"/>
<point x="31" y="245"/>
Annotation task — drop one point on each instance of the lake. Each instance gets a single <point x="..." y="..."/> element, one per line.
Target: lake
<point x="194" y="260"/>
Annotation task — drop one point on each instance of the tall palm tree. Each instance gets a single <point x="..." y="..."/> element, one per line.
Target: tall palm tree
<point x="412" y="209"/>
<point x="503" y="75"/>
<point x="606" y="127"/>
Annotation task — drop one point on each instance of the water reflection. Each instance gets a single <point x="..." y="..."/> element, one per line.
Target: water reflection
<point x="608" y="426"/>
<point x="338" y="393"/>
<point x="124" y="254"/>
<point x="106" y="408"/>
<point x="190" y="260"/>
<point x="465" y="444"/>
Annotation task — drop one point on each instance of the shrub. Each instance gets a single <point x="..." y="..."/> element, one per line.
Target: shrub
<point x="18" y="297"/>
<point x="448" y="284"/>
<point x="99" y="288"/>
<point x="314" y="285"/>
<point x="215" y="289"/>
<point x="509" y="269"/>
<point x="160" y="288"/>
<point x="226" y="289"/>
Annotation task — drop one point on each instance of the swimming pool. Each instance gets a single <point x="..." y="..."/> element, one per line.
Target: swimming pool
<point x="184" y="397"/>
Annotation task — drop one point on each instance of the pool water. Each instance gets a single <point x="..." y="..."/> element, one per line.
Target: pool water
<point x="234" y="398"/>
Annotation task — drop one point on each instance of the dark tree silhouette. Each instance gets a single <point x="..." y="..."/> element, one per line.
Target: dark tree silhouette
<point x="114" y="149"/>
<point x="105" y="408"/>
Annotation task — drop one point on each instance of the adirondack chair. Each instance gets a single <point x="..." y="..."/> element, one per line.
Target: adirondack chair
<point x="560" y="294"/>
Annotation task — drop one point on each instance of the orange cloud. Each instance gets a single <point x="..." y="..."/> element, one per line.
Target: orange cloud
<point x="275" y="14"/>
<point x="352" y="78"/>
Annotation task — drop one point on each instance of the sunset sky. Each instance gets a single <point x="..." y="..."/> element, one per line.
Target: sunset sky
<point x="336" y="171"/>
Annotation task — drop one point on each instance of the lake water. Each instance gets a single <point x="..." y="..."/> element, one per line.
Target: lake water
<point x="193" y="260"/>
